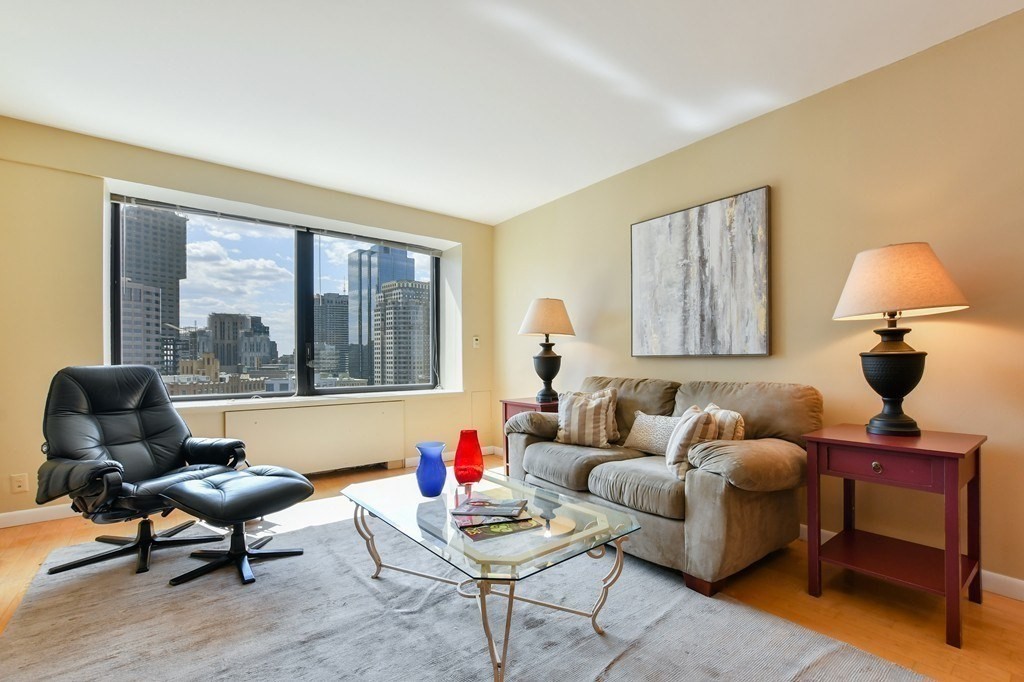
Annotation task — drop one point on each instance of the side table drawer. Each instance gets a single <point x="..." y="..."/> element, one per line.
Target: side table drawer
<point x="913" y="471"/>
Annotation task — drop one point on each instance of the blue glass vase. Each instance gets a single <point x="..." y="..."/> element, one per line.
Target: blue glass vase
<point x="430" y="474"/>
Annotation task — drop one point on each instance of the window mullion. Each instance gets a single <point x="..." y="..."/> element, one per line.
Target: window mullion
<point x="304" y="251"/>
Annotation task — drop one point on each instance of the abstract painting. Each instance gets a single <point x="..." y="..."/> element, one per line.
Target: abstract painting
<point x="700" y="279"/>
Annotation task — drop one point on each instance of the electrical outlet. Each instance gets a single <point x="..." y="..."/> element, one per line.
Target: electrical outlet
<point x="476" y="342"/>
<point x="19" y="483"/>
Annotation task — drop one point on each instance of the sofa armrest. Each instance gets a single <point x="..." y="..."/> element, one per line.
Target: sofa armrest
<point x="543" y="425"/>
<point x="759" y="465"/>
<point x="517" y="444"/>
<point x="59" y="477"/>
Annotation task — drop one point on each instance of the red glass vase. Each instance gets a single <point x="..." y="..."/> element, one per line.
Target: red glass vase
<point x="469" y="459"/>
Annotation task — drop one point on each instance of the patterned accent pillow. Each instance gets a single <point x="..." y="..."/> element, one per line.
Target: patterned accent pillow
<point x="695" y="426"/>
<point x="613" y="395"/>
<point x="651" y="433"/>
<point x="730" y="424"/>
<point x="583" y="420"/>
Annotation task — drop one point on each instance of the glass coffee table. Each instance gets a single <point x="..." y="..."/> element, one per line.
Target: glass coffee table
<point x="563" y="527"/>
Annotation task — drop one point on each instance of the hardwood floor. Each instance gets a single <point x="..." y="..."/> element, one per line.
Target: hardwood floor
<point x="902" y="625"/>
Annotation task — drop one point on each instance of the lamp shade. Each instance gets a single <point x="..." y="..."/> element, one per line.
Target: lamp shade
<point x="899" y="278"/>
<point x="547" y="316"/>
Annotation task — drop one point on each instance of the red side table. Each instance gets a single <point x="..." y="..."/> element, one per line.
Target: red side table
<point x="934" y="462"/>
<point x="512" y="406"/>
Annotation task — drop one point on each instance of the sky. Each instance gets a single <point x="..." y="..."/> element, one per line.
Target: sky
<point x="249" y="268"/>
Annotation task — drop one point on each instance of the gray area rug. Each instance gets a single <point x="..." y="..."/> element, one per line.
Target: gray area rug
<point x="321" y="617"/>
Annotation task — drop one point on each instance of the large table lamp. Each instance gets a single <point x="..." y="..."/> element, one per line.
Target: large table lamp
<point x="547" y="316"/>
<point x="899" y="280"/>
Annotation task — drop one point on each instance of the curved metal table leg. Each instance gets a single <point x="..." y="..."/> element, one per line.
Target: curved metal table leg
<point x="499" y="664"/>
<point x="607" y="581"/>
<point x="363" y="528"/>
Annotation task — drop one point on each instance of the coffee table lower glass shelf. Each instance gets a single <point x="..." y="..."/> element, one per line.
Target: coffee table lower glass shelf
<point x="566" y="527"/>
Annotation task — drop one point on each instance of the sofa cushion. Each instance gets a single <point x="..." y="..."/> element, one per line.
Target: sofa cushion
<point x="570" y="465"/>
<point x="650" y="396"/>
<point x="695" y="426"/>
<point x="644" y="484"/>
<point x="770" y="410"/>
<point x="728" y="423"/>
<point x="583" y="419"/>
<point x="651" y="433"/>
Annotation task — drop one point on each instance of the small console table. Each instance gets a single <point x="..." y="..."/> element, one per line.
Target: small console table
<point x="934" y="462"/>
<point x="511" y="406"/>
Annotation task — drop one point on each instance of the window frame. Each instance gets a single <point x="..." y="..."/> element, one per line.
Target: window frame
<point x="304" y="286"/>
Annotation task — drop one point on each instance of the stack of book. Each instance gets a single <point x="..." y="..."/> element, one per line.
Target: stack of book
<point x="481" y="517"/>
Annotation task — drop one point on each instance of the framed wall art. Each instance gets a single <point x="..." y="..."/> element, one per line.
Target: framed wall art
<point x="700" y="279"/>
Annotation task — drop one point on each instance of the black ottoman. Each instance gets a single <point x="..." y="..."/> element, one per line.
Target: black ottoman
<point x="231" y="499"/>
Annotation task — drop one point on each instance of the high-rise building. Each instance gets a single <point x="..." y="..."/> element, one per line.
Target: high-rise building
<point x="240" y="341"/>
<point x="154" y="256"/>
<point x="330" y="333"/>
<point x="194" y="342"/>
<point x="401" y="333"/>
<point x="140" y="325"/>
<point x="368" y="270"/>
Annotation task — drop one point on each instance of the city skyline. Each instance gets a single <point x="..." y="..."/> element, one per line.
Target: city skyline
<point x="230" y="286"/>
<point x="247" y="268"/>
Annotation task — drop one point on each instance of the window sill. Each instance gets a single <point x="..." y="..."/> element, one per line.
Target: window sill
<point x="230" y="404"/>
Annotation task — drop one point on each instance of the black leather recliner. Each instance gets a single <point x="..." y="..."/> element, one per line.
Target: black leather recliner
<point x="115" y="444"/>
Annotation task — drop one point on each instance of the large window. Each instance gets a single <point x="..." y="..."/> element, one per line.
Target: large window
<point x="232" y="306"/>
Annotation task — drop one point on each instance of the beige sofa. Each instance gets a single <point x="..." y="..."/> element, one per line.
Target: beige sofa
<point x="736" y="504"/>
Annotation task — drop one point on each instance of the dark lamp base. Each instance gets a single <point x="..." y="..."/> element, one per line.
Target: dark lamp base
<point x="893" y="369"/>
<point x="884" y="425"/>
<point x="547" y="363"/>
<point x="547" y="395"/>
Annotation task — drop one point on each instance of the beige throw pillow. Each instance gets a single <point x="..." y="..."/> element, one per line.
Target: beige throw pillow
<point x="613" y="395"/>
<point x="695" y="426"/>
<point x="729" y="423"/>
<point x="651" y="433"/>
<point x="583" y="420"/>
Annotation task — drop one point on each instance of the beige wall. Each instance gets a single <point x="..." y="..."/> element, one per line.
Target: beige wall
<point x="52" y="202"/>
<point x="931" y="149"/>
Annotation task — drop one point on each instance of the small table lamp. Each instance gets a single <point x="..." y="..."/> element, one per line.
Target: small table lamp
<point x="547" y="316"/>
<point x="899" y="280"/>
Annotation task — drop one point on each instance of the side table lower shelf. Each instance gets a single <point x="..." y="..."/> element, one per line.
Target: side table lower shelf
<point x="897" y="561"/>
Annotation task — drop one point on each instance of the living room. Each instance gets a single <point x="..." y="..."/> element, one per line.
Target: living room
<point x="924" y="146"/>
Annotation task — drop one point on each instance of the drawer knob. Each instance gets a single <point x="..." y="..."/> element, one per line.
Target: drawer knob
<point x="876" y="467"/>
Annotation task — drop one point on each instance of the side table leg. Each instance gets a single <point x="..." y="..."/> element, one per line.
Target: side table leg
<point x="951" y="489"/>
<point x="813" y="522"/>
<point x="498" y="663"/>
<point x="974" y="527"/>
<point x="363" y="528"/>
<point x="849" y="504"/>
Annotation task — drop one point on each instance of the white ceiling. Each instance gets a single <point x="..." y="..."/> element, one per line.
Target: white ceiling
<point x="474" y="108"/>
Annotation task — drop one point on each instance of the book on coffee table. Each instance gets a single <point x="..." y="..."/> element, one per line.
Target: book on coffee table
<point x="497" y="530"/>
<point x="482" y="506"/>
<point x="473" y="521"/>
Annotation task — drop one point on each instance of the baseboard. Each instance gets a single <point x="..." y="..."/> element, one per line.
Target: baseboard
<point x="26" y="516"/>
<point x="996" y="583"/>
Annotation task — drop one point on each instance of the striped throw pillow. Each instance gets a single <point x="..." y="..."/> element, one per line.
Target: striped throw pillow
<point x="695" y="426"/>
<point x="729" y="423"/>
<point x="651" y="433"/>
<point x="613" y="397"/>
<point x="583" y="420"/>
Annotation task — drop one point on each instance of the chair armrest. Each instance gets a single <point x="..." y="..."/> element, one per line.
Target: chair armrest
<point x="59" y="477"/>
<point x="229" y="452"/>
<point x="543" y="425"/>
<point x="759" y="465"/>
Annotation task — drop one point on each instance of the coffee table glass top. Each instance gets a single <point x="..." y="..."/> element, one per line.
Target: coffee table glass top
<point x="566" y="526"/>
